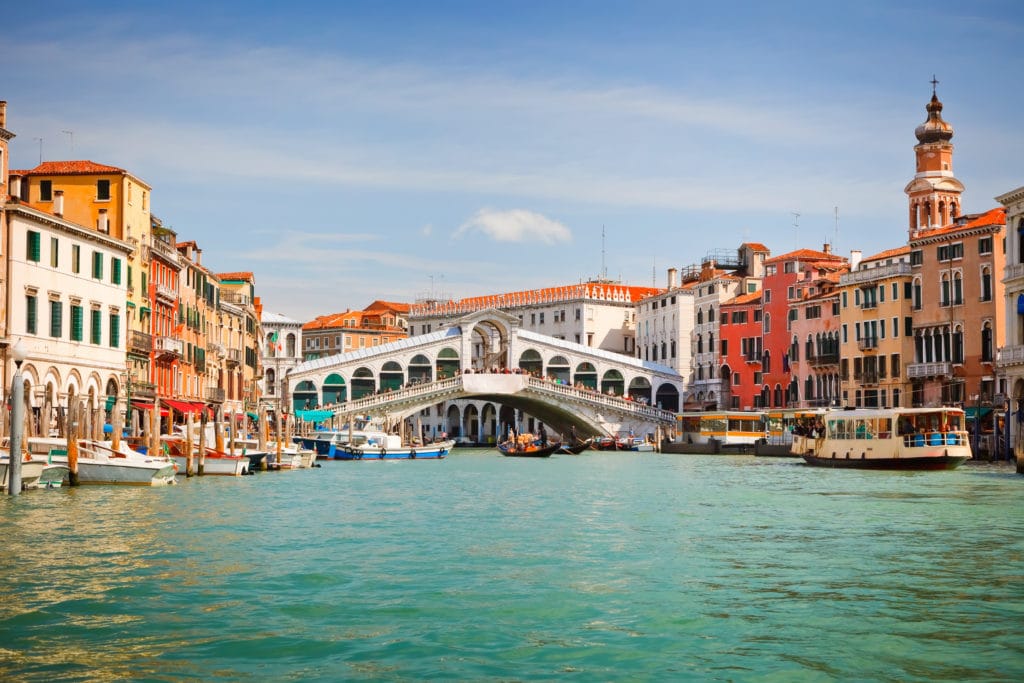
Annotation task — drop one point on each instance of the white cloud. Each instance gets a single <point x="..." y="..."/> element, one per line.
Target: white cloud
<point x="518" y="225"/>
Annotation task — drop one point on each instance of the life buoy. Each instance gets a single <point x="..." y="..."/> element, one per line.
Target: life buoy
<point x="412" y="454"/>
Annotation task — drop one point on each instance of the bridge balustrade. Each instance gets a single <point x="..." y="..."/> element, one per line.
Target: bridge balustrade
<point x="612" y="401"/>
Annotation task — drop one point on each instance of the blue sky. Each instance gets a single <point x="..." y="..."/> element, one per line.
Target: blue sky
<point x="346" y="152"/>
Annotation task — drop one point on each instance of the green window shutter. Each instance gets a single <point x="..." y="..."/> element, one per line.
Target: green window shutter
<point x="115" y="270"/>
<point x="33" y="246"/>
<point x="129" y="276"/>
<point x="115" y="330"/>
<point x="97" y="265"/>
<point x="77" y="323"/>
<point x="144" y="289"/>
<point x="30" y="314"/>
<point x="95" y="326"/>
<point x="56" y="318"/>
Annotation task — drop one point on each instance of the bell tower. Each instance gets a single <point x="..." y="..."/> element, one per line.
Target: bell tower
<point x="934" y="193"/>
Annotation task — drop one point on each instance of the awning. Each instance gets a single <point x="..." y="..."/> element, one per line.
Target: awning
<point x="111" y="400"/>
<point x="185" y="406"/>
<point x="148" y="406"/>
<point x="972" y="412"/>
<point x="314" y="415"/>
<point x="253" y="416"/>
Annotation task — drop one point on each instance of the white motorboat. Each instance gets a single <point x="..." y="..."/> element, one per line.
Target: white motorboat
<point x="100" y="463"/>
<point x="36" y="473"/>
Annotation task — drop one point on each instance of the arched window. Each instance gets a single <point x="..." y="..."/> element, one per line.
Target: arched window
<point x="1020" y="241"/>
<point x="986" y="284"/>
<point x="711" y="311"/>
<point x="986" y="343"/>
<point x="673" y="348"/>
<point x="700" y="343"/>
<point x="944" y="289"/>
<point x="767" y="323"/>
<point x="917" y="294"/>
<point x="958" y="289"/>
<point x="700" y="317"/>
<point x="958" y="344"/>
<point x="711" y="342"/>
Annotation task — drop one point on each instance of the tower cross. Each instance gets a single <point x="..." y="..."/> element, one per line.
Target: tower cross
<point x="934" y="83"/>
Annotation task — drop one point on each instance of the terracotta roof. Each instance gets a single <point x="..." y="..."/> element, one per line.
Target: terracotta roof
<point x="991" y="217"/>
<point x="606" y="291"/>
<point x="241" y="275"/>
<point x="341" y="320"/>
<point x="749" y="298"/>
<point x="189" y="243"/>
<point x="389" y="305"/>
<point x="805" y="255"/>
<point x="888" y="253"/>
<point x="755" y="246"/>
<point x="72" y="168"/>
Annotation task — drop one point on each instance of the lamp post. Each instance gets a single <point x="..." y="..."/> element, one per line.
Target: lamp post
<point x="17" y="421"/>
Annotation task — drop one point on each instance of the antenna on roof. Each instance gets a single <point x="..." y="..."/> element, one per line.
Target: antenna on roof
<point x="654" y="272"/>
<point x="796" y="229"/>
<point x="71" y="135"/>
<point x="835" y="243"/>
<point x="604" y="269"/>
<point x="40" y="140"/>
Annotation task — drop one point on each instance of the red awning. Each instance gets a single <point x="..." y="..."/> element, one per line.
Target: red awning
<point x="185" y="406"/>
<point x="149" y="406"/>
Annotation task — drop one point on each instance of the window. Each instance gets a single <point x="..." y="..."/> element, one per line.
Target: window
<point x="76" y="258"/>
<point x="725" y="347"/>
<point x="30" y="313"/>
<point x="32" y="252"/>
<point x="97" y="265"/>
<point x="56" y="318"/>
<point x="916" y="257"/>
<point x="895" y="291"/>
<point x="115" y="330"/>
<point x="767" y="294"/>
<point x="985" y="245"/>
<point x="986" y="284"/>
<point x="77" y="320"/>
<point x="102" y="190"/>
<point x="46" y="190"/>
<point x="115" y="270"/>
<point x="95" y="326"/>
<point x="54" y="252"/>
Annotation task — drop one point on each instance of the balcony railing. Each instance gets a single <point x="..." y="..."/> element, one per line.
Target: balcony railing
<point x="168" y="295"/>
<point x="143" y="390"/>
<point x="165" y="249"/>
<point x="1013" y="271"/>
<point x="168" y="346"/>
<point x="871" y="274"/>
<point x="140" y="342"/>
<point x="867" y="343"/>
<point x="236" y="298"/>
<point x="824" y="359"/>
<point x="234" y="356"/>
<point x="920" y="370"/>
<point x="214" y="394"/>
<point x="1010" y="355"/>
<point x="214" y="348"/>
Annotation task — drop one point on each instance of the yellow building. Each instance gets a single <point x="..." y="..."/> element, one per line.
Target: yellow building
<point x="877" y="335"/>
<point x="242" y="335"/>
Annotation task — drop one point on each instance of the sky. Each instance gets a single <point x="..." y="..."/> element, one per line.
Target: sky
<point x="351" y="151"/>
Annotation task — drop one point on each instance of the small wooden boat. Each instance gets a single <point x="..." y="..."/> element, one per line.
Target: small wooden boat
<point x="576" y="448"/>
<point x="528" y="450"/>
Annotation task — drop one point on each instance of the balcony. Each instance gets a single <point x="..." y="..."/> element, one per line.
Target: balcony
<point x="215" y="349"/>
<point x="867" y="343"/>
<point x="168" y="347"/>
<point x="214" y="395"/>
<point x="867" y="378"/>
<point x="922" y="370"/>
<point x="875" y="274"/>
<point x="165" y="294"/>
<point x="1010" y="355"/>
<point x="824" y="359"/>
<point x="140" y="342"/>
<point x="236" y="298"/>
<point x="165" y="249"/>
<point x="143" y="390"/>
<point x="234" y="357"/>
<point x="1013" y="272"/>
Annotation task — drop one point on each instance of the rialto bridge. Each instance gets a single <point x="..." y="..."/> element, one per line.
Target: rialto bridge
<point x="483" y="374"/>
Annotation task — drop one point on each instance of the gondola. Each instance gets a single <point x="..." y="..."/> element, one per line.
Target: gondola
<point x="576" y="448"/>
<point x="531" y="450"/>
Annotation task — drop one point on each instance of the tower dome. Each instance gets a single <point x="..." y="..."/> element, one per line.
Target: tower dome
<point x="935" y="129"/>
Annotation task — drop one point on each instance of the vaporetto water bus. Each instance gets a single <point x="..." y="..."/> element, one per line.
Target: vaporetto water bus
<point x="728" y="428"/>
<point x="888" y="438"/>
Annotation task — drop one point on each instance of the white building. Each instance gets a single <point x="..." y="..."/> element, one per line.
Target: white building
<point x="67" y="292"/>
<point x="282" y="351"/>
<point x="1011" y="355"/>
<point x="664" y="324"/>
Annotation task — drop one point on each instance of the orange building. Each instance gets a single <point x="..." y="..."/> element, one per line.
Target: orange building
<point x="956" y="262"/>
<point x="379" y="323"/>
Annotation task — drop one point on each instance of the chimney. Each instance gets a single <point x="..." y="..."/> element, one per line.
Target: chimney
<point x="672" y="278"/>
<point x="827" y="248"/>
<point x="855" y="256"/>
<point x="101" y="223"/>
<point x="3" y="114"/>
<point x="58" y="203"/>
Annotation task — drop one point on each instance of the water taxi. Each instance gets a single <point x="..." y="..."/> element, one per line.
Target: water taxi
<point x="737" y="429"/>
<point x="887" y="438"/>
